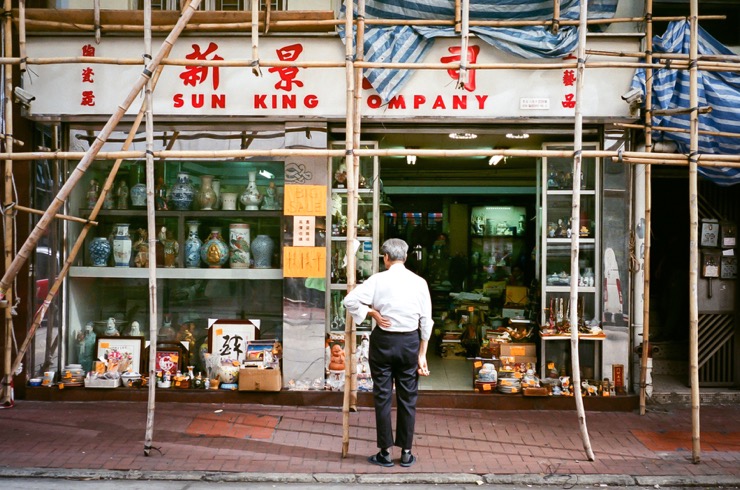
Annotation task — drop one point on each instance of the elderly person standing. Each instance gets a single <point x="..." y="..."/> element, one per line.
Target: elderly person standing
<point x="399" y="302"/>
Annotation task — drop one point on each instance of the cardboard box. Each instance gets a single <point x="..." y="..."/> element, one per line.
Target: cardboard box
<point x="519" y="350"/>
<point x="255" y="379"/>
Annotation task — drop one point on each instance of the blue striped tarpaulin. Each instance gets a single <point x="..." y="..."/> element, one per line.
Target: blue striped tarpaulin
<point x="408" y="44"/>
<point x="718" y="90"/>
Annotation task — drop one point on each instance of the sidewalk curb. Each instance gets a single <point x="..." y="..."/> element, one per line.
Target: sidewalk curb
<point x="715" y="481"/>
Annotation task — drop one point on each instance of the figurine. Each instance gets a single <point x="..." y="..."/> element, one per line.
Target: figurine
<point x="110" y="200"/>
<point x="186" y="335"/>
<point x="270" y="199"/>
<point x="110" y="328"/>
<point x="171" y="249"/>
<point x="340" y="177"/>
<point x="93" y="193"/>
<point x="86" y="346"/>
<point x="363" y="356"/>
<point x="166" y="332"/>
<point x="160" y="195"/>
<point x="337" y="358"/>
<point x="122" y="194"/>
<point x="135" y="329"/>
<point x="141" y="249"/>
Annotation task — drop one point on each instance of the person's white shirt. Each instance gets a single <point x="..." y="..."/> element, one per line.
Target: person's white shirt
<point x="398" y="295"/>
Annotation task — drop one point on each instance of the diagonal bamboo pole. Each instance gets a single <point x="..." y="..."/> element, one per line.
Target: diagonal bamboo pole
<point x="23" y="254"/>
<point x="648" y="206"/>
<point x="575" y="235"/>
<point x="694" y="236"/>
<point x="349" y="324"/>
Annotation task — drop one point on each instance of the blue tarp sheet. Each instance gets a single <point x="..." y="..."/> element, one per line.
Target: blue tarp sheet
<point x="408" y="44"/>
<point x="718" y="90"/>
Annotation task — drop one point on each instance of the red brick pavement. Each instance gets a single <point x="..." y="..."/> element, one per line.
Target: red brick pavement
<point x="281" y="439"/>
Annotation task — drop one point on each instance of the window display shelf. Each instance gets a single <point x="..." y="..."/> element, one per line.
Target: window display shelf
<point x="359" y="238"/>
<point x="175" y="273"/>
<point x="215" y="214"/>
<point x="584" y="192"/>
<point x="566" y="289"/>
<point x="581" y="336"/>
<point x="567" y="240"/>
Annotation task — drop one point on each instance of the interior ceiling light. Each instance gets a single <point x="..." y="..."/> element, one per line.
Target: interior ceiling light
<point x="266" y="174"/>
<point x="495" y="159"/>
<point x="463" y="136"/>
<point x="517" y="136"/>
<point x="411" y="159"/>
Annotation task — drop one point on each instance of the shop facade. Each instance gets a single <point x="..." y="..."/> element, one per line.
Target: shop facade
<point x="479" y="230"/>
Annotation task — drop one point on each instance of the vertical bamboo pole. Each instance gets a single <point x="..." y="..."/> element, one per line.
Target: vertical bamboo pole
<point x="256" y="37"/>
<point x="356" y="136"/>
<point x="694" y="236"/>
<point x="575" y="229"/>
<point x="458" y="17"/>
<point x="462" y="78"/>
<point x="648" y="204"/>
<point x="555" y="16"/>
<point x="28" y="246"/>
<point x="21" y="35"/>
<point x="96" y="20"/>
<point x="152" y="237"/>
<point x="351" y="210"/>
<point x="8" y="219"/>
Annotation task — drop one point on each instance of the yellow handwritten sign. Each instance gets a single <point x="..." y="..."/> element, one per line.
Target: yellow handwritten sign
<point x="305" y="200"/>
<point x="304" y="262"/>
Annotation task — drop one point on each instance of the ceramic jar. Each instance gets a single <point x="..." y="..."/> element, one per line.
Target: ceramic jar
<point x="206" y="197"/>
<point x="239" y="246"/>
<point x="182" y="192"/>
<point x="214" y="251"/>
<point x="216" y="185"/>
<point x="251" y="196"/>
<point x="228" y="201"/>
<point x="137" y="187"/>
<point x="261" y="249"/>
<point x="121" y="246"/>
<point x="192" y="246"/>
<point x="228" y="374"/>
<point x="100" y="249"/>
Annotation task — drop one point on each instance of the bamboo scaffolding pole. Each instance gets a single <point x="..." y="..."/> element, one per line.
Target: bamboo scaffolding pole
<point x="669" y="129"/>
<point x="152" y="238"/>
<point x="676" y="163"/>
<point x="268" y="14"/>
<point x="462" y="72"/>
<point x="278" y="24"/>
<point x="575" y="233"/>
<point x="648" y="208"/>
<point x="6" y="397"/>
<point x="21" y="34"/>
<point x="255" y="39"/>
<point x="667" y="56"/>
<point x="694" y="237"/>
<point x="57" y="216"/>
<point x="96" y="20"/>
<point x="349" y="324"/>
<point x="555" y="16"/>
<point x="458" y="17"/>
<point x="357" y="132"/>
<point x="12" y="270"/>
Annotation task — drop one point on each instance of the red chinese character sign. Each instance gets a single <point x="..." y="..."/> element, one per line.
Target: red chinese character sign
<point x="300" y="91"/>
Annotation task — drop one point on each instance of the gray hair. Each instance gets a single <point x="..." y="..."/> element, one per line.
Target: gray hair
<point x="395" y="248"/>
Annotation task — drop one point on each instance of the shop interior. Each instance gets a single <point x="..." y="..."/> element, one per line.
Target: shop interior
<point x="471" y="225"/>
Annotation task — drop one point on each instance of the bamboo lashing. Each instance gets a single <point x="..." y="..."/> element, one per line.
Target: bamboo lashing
<point x="12" y="270"/>
<point x="694" y="235"/>
<point x="575" y="233"/>
<point x="349" y="324"/>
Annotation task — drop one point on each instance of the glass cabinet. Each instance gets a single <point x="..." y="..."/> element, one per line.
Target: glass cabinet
<point x="366" y="245"/>
<point x="556" y="190"/>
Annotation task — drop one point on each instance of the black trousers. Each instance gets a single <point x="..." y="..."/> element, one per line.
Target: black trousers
<point x="394" y="357"/>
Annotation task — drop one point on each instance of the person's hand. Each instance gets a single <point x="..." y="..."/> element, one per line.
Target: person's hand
<point x="423" y="367"/>
<point x="380" y="320"/>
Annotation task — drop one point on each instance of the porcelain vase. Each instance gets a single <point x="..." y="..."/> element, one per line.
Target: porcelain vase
<point x="182" y="192"/>
<point x="206" y="196"/>
<point x="214" y="251"/>
<point x="122" y="246"/>
<point x="261" y="249"/>
<point x="216" y="186"/>
<point x="100" y="249"/>
<point x="239" y="245"/>
<point x="138" y="195"/>
<point x="251" y="196"/>
<point x="192" y="246"/>
<point x="228" y="201"/>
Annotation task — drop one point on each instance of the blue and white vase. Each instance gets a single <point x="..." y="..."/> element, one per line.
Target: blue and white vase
<point x="214" y="251"/>
<point x="138" y="195"/>
<point x="192" y="246"/>
<point x="100" y="249"/>
<point x="261" y="249"/>
<point x="182" y="192"/>
<point x="122" y="246"/>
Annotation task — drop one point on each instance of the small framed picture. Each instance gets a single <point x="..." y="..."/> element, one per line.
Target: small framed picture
<point x="171" y="357"/>
<point x="126" y="349"/>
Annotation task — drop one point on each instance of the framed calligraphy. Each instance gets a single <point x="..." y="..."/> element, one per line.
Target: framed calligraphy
<point x="229" y="338"/>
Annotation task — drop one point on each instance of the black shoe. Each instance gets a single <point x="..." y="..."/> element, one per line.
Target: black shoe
<point x="381" y="460"/>
<point x="407" y="459"/>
